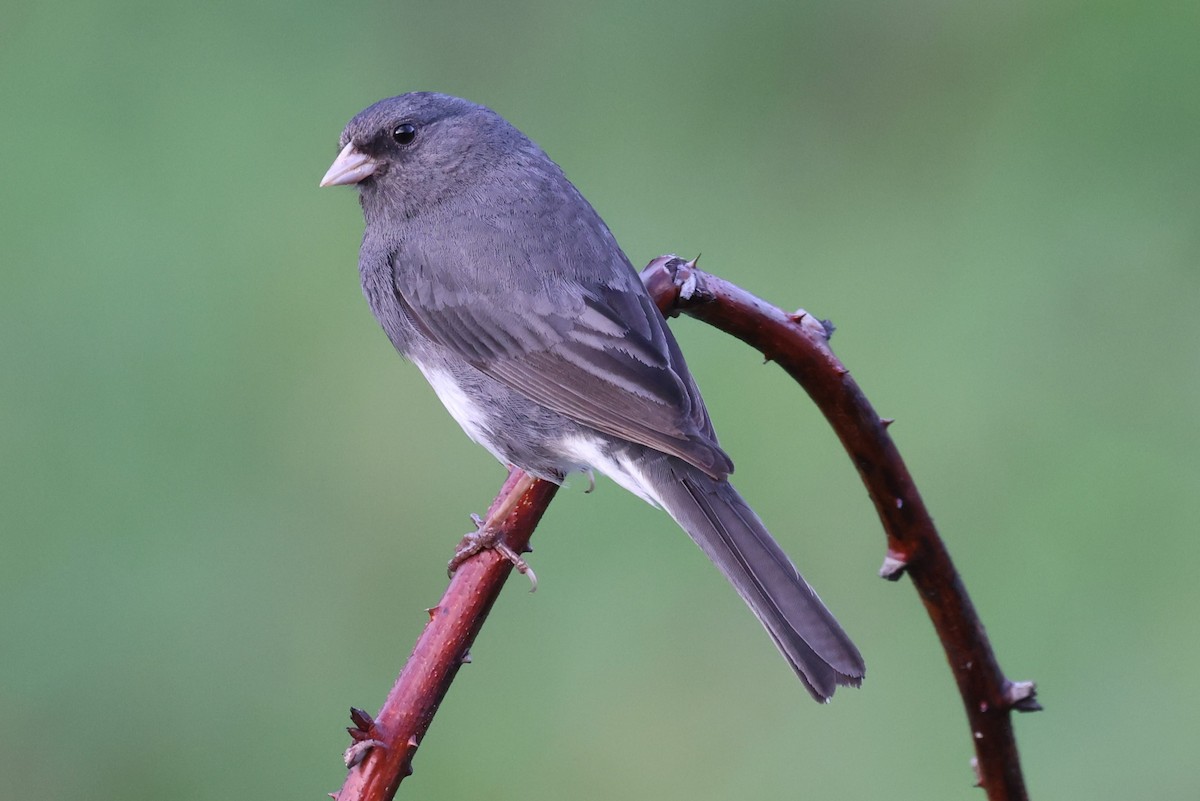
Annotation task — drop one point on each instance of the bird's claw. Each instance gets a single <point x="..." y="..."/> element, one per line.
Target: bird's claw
<point x="483" y="539"/>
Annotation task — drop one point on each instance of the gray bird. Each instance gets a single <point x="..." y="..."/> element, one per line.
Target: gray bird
<point x="491" y="273"/>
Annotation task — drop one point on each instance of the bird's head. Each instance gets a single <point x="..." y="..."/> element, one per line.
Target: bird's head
<point x="410" y="152"/>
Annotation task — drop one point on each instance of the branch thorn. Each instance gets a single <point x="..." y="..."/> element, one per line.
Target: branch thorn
<point x="1022" y="696"/>
<point x="894" y="564"/>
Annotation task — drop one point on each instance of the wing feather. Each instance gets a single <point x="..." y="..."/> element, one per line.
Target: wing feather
<point x="601" y="355"/>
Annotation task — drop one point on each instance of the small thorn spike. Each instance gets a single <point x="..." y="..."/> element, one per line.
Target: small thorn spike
<point x="893" y="567"/>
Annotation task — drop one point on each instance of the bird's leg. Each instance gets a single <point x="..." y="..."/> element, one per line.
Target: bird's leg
<point x="489" y="535"/>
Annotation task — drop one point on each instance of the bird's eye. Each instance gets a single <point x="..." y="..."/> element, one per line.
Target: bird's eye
<point x="405" y="133"/>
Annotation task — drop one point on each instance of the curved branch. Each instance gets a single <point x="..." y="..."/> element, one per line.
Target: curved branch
<point x="799" y="344"/>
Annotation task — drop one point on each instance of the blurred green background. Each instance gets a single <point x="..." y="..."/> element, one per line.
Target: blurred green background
<point x="224" y="501"/>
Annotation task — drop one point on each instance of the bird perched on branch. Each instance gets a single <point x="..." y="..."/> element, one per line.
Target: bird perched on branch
<point x="489" y="270"/>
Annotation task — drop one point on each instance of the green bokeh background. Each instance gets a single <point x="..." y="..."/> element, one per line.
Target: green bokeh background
<point x="224" y="501"/>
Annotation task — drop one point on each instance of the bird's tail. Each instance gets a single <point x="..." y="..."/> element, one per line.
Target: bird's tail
<point x="733" y="537"/>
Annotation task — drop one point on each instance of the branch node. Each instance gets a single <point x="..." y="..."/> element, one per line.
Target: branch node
<point x="357" y="735"/>
<point x="361" y="718"/>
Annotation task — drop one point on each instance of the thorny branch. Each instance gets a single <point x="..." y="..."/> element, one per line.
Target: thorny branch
<point x="381" y="755"/>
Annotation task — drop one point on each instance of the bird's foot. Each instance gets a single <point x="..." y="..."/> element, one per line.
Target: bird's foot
<point x="485" y="538"/>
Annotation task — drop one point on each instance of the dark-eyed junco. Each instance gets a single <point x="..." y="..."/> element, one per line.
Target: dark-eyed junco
<point x="488" y="269"/>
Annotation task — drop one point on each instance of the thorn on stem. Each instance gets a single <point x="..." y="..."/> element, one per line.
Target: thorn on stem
<point x="894" y="564"/>
<point x="1022" y="696"/>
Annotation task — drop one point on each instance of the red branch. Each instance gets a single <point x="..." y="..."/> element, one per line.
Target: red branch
<point x="383" y="748"/>
<point x="800" y="345"/>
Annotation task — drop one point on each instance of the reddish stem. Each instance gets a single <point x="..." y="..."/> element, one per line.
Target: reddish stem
<point x="799" y="344"/>
<point x="453" y="624"/>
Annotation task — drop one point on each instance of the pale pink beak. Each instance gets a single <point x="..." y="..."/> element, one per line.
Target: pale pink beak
<point x="350" y="167"/>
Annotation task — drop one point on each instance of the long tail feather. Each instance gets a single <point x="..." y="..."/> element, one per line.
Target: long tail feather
<point x="734" y="538"/>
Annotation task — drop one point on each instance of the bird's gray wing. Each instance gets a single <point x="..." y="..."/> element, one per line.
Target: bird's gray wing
<point x="600" y="354"/>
